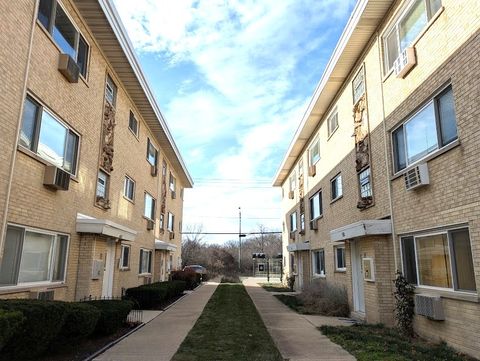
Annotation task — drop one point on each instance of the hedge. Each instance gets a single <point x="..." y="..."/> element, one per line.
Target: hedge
<point x="155" y="294"/>
<point x="80" y="322"/>
<point x="191" y="278"/>
<point x="10" y="322"/>
<point x="113" y="314"/>
<point x="43" y="321"/>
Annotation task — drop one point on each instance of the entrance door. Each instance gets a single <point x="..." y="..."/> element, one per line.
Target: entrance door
<point x="300" y="270"/>
<point x="107" y="286"/>
<point x="357" y="278"/>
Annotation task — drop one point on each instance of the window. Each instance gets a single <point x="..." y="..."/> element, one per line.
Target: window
<point x="293" y="182"/>
<point x="32" y="256"/>
<point x="431" y="128"/>
<point x="300" y="167"/>
<point x="302" y="222"/>
<point x="314" y="152"/>
<point x="406" y="29"/>
<point x="110" y="91"/>
<point x="337" y="190"/>
<point x="125" y="257"/>
<point x="102" y="185"/>
<point x="64" y="33"/>
<point x="358" y="85"/>
<point x="365" y="183"/>
<point x="340" y="264"/>
<point x="133" y="124"/>
<point x="164" y="168"/>
<point x="171" y="222"/>
<point x="145" y="261"/>
<point x="149" y="211"/>
<point x="162" y="221"/>
<point x="442" y="259"/>
<point x="332" y="123"/>
<point x="172" y="182"/>
<point x="318" y="262"/>
<point x="129" y="188"/>
<point x="152" y="153"/>
<point x="293" y="222"/>
<point x="48" y="137"/>
<point x="293" y="267"/>
<point x="316" y="208"/>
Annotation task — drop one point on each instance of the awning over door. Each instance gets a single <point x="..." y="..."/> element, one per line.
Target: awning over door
<point x="299" y="246"/>
<point x="165" y="246"/>
<point x="362" y="229"/>
<point x="86" y="224"/>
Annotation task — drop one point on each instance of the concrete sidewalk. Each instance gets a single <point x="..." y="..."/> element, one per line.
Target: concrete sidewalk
<point x="159" y="339"/>
<point x="295" y="335"/>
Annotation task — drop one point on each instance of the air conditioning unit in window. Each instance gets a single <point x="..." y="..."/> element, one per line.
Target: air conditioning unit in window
<point x="429" y="306"/>
<point x="56" y="178"/>
<point x="291" y="195"/>
<point x="312" y="170"/>
<point x="417" y="177"/>
<point x="42" y="295"/>
<point x="314" y="224"/>
<point x="405" y="61"/>
<point x="69" y="68"/>
<point x="171" y="235"/>
<point x="153" y="170"/>
<point x="174" y="194"/>
<point x="150" y="224"/>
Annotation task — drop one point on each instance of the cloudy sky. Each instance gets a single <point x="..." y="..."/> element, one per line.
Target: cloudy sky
<point x="233" y="79"/>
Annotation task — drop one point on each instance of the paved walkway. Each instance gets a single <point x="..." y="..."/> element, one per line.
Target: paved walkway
<point x="295" y="335"/>
<point x="159" y="339"/>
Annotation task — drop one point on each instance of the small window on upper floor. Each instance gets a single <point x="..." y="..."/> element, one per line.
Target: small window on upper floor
<point x="293" y="221"/>
<point x="293" y="182"/>
<point x="337" y="188"/>
<point x="129" y="188"/>
<point x="110" y="91"/>
<point x="408" y="26"/>
<point x="300" y="167"/>
<point x="171" y="222"/>
<point x="316" y="207"/>
<point x="152" y="153"/>
<point x="358" y="85"/>
<point x="173" y="182"/>
<point x="133" y="124"/>
<point x="149" y="207"/>
<point x="365" y="183"/>
<point x="332" y="122"/>
<point x="52" y="16"/>
<point x="314" y="152"/>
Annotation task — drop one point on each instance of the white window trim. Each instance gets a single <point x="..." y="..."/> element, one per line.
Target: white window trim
<point x="318" y="275"/>
<point x="154" y="205"/>
<point x="320" y="198"/>
<point x="138" y="124"/>
<point x="339" y="175"/>
<point x="170" y="227"/>
<point x="121" y="266"/>
<point x="292" y="181"/>
<point x="125" y="188"/>
<point x="333" y="113"/>
<point x="149" y="141"/>
<point x="340" y="269"/>
<point x="293" y="215"/>
<point x="315" y="143"/>
<point x="151" y="262"/>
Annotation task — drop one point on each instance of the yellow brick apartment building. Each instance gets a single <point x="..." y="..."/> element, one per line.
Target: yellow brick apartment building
<point x="382" y="173"/>
<point x="91" y="181"/>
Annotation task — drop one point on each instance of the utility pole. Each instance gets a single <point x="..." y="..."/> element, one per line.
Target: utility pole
<point x="239" y="238"/>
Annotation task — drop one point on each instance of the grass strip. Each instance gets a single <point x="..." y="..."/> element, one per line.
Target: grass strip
<point x="275" y="287"/>
<point x="229" y="328"/>
<point x="379" y="343"/>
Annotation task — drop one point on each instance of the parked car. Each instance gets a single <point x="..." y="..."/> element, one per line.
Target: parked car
<point x="197" y="268"/>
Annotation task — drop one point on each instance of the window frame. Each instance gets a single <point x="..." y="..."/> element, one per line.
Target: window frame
<point x="150" y="261"/>
<point x="360" y="73"/>
<point x="315" y="144"/>
<point x="79" y="34"/>
<point x="111" y="84"/>
<point x="172" y="183"/>
<point x="150" y="143"/>
<point x="323" y="272"/>
<point x="333" y="181"/>
<point x="292" y="217"/>
<point x="369" y="182"/>
<point x="171" y="225"/>
<point x="106" y="186"/>
<point x="35" y="141"/>
<point x="52" y="261"/>
<point x="122" y="257"/>
<point x="154" y="205"/>
<point x="320" y="201"/>
<point x="292" y="181"/>
<point x="130" y="117"/>
<point x="452" y="262"/>
<point x="333" y="115"/>
<point x="125" y="195"/>
<point x="434" y="99"/>
<point x="340" y="269"/>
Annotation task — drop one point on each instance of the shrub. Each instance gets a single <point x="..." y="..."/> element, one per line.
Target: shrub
<point x="404" y="304"/>
<point x="80" y="322"/>
<point x="230" y="277"/>
<point x="10" y="322"/>
<point x="113" y="314"/>
<point x="191" y="278"/>
<point x="42" y="323"/>
<point x="325" y="298"/>
<point x="154" y="294"/>
<point x="291" y="281"/>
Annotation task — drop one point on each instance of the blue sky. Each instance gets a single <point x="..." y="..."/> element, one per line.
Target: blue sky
<point x="233" y="79"/>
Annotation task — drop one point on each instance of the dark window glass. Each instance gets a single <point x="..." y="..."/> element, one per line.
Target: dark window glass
<point x="340" y="251"/>
<point x="446" y="112"/>
<point x="125" y="256"/>
<point x="399" y="149"/>
<point x="61" y="247"/>
<point x="10" y="263"/>
<point x="82" y="57"/>
<point x="70" y="163"/>
<point x="45" y="12"/>
<point x="408" y="255"/>
<point x="64" y="33"/>
<point x="462" y="253"/>
<point x="151" y="153"/>
<point x="133" y="123"/>
<point x="29" y="120"/>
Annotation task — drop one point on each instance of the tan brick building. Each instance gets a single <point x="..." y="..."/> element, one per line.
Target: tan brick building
<point x="91" y="181"/>
<point x="381" y="173"/>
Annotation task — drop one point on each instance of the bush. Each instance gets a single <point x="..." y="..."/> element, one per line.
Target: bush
<point x="404" y="304"/>
<point x="230" y="277"/>
<point x="10" y="322"/>
<point x="42" y="323"/>
<point x="325" y="298"/>
<point x="191" y="278"/>
<point x="291" y="282"/>
<point x="155" y="294"/>
<point x="113" y="314"/>
<point x="80" y="322"/>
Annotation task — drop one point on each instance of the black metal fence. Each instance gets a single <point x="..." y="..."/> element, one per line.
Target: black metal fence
<point x="134" y="317"/>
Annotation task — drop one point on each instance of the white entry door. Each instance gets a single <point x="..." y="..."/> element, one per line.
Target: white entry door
<point x="357" y="279"/>
<point x="107" y="286"/>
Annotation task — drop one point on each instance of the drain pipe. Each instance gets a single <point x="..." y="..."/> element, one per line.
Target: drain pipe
<point x="19" y="122"/>
<point x="387" y="165"/>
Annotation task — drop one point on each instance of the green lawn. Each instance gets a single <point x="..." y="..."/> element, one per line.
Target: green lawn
<point x="229" y="328"/>
<point x="378" y="343"/>
<point x="293" y="302"/>
<point x="275" y="287"/>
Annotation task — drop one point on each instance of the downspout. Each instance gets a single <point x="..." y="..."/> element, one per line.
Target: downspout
<point x="387" y="165"/>
<point x="19" y="122"/>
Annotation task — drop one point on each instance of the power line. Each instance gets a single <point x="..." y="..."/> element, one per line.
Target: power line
<point x="229" y="233"/>
<point x="225" y="217"/>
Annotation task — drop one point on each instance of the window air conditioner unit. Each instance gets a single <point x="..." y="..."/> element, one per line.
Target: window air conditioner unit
<point x="312" y="170"/>
<point x="150" y="224"/>
<point x="429" y="306"/>
<point x="174" y="194"/>
<point x="171" y="235"/>
<point x="56" y="178"/>
<point x="417" y="177"/>
<point x="405" y="61"/>
<point x="69" y="68"/>
<point x="42" y="295"/>
<point x="291" y="194"/>
<point x="314" y="224"/>
<point x="153" y="170"/>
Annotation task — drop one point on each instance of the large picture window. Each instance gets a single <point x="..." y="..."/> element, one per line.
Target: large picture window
<point x="431" y="128"/>
<point x="442" y="260"/>
<point x="48" y="137"/>
<point x="406" y="29"/>
<point x="56" y="21"/>
<point x="32" y="256"/>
